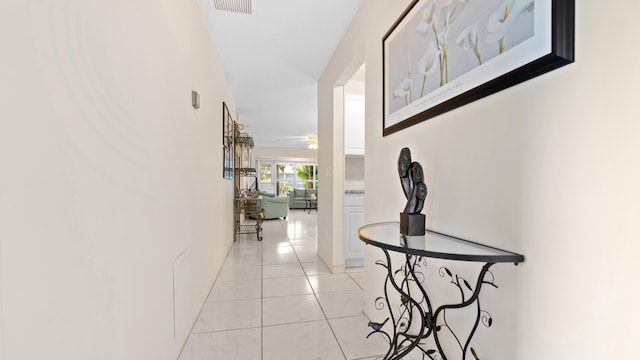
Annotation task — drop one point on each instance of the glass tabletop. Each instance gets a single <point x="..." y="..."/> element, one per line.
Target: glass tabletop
<point x="387" y="235"/>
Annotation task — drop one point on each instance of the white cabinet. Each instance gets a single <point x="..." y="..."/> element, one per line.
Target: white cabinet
<point x="354" y="124"/>
<point x="353" y="220"/>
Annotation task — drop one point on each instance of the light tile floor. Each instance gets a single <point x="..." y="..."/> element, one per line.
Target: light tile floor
<point x="276" y="300"/>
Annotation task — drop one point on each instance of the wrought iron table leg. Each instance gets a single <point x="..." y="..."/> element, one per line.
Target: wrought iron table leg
<point x="259" y="220"/>
<point x="456" y="280"/>
<point x="401" y="342"/>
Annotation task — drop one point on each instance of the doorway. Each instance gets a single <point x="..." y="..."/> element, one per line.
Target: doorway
<point x="354" y="147"/>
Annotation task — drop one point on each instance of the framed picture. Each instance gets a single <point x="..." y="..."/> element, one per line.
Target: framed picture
<point x="227" y="163"/>
<point x="227" y="143"/>
<point x="440" y="55"/>
<point x="227" y="127"/>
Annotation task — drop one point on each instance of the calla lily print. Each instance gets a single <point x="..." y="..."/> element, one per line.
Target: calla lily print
<point x="426" y="20"/>
<point x="443" y="54"/>
<point x="427" y="64"/>
<point x="504" y="18"/>
<point x="451" y="38"/>
<point x="468" y="40"/>
<point x="404" y="89"/>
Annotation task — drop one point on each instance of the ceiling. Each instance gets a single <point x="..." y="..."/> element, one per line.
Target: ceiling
<point x="272" y="59"/>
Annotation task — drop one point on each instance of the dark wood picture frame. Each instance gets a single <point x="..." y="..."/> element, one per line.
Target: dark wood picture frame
<point x="227" y="127"/>
<point x="561" y="43"/>
<point x="227" y="143"/>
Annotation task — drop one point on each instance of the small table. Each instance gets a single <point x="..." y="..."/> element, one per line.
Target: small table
<point x="311" y="203"/>
<point x="415" y="303"/>
<point x="245" y="207"/>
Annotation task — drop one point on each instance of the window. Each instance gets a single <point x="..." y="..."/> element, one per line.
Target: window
<point x="286" y="172"/>
<point x="265" y="174"/>
<point x="307" y="176"/>
<point x="286" y="176"/>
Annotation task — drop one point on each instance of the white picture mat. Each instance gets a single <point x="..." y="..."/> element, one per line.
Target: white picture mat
<point x="531" y="49"/>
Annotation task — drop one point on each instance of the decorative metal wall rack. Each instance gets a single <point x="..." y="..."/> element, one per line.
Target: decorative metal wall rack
<point x="416" y="318"/>
<point x="247" y="202"/>
<point x="248" y="207"/>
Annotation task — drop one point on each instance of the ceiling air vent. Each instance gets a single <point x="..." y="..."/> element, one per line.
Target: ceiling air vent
<point x="241" y="6"/>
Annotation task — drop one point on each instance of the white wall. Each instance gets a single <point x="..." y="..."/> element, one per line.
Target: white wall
<point x="291" y="154"/>
<point x="354" y="117"/>
<point x="331" y="159"/>
<point x="354" y="168"/>
<point x="548" y="168"/>
<point x="114" y="216"/>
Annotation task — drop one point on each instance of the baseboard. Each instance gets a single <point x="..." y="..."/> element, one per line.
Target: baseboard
<point x="352" y="263"/>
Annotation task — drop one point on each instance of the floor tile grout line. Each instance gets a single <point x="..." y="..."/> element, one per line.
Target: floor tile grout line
<point x="354" y="280"/>
<point x="225" y="330"/>
<point x="315" y="294"/>
<point x="204" y="303"/>
<point x="296" y="323"/>
<point x="286" y="234"/>
<point x="284" y="226"/>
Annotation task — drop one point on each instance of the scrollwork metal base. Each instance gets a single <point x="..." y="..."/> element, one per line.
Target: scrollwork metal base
<point x="251" y="228"/>
<point x="415" y="319"/>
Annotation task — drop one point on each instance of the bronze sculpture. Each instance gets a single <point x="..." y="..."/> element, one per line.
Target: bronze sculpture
<point x="415" y="190"/>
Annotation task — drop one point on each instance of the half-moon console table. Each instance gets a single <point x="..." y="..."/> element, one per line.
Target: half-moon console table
<point x="415" y="319"/>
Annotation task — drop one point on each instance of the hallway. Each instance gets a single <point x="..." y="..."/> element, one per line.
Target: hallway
<point x="276" y="300"/>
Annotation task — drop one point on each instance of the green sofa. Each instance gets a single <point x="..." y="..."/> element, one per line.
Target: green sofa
<point x="297" y="196"/>
<point x="274" y="206"/>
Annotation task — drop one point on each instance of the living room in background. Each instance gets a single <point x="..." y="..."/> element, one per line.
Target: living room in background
<point x="280" y="177"/>
<point x="298" y="175"/>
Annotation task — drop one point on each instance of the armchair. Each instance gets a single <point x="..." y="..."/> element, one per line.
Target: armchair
<point x="274" y="206"/>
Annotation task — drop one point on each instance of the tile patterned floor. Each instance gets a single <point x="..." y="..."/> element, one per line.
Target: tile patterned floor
<point x="275" y="300"/>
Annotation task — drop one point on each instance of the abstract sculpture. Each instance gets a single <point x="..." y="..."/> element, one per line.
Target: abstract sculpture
<point x="415" y="190"/>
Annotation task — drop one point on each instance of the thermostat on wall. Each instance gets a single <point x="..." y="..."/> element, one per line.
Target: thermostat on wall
<point x="195" y="99"/>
